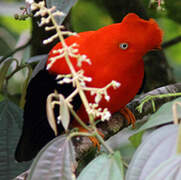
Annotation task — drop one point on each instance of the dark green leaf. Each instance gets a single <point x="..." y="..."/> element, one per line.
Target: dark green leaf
<point x="61" y="5"/>
<point x="42" y="59"/>
<point x="104" y="167"/>
<point x="10" y="129"/>
<point x="3" y="71"/>
<point x="38" y="58"/>
<point x="55" y="161"/>
<point x="1" y="97"/>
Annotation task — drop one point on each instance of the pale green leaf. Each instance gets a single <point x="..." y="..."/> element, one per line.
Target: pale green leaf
<point x="168" y="170"/>
<point x="104" y="167"/>
<point x="159" y="146"/>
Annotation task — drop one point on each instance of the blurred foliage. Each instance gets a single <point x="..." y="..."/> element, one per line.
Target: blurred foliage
<point x="172" y="30"/>
<point x="174" y="9"/>
<point x="170" y="22"/>
<point x="15" y="26"/>
<point x="86" y="15"/>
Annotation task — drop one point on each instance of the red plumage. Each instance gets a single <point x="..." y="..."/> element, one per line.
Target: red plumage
<point x="110" y="61"/>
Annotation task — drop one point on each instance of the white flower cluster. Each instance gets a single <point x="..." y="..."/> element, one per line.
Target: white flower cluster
<point x="72" y="52"/>
<point x="96" y="111"/>
<point x="100" y="92"/>
<point x="69" y="79"/>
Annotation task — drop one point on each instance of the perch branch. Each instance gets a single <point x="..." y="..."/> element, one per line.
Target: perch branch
<point x="118" y="122"/>
<point x="171" y="42"/>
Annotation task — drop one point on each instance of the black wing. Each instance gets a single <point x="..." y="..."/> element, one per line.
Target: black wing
<point x="36" y="129"/>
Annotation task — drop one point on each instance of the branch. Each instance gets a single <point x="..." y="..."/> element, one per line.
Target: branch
<point x="171" y="42"/>
<point x="147" y="108"/>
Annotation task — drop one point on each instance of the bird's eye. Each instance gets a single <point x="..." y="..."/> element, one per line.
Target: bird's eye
<point x="123" y="46"/>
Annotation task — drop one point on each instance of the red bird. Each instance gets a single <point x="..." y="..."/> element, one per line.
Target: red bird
<point x="115" y="52"/>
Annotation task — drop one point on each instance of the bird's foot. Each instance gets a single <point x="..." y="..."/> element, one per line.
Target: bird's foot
<point x="129" y="116"/>
<point x="93" y="139"/>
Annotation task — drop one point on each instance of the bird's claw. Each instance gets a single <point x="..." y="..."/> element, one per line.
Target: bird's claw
<point x="129" y="116"/>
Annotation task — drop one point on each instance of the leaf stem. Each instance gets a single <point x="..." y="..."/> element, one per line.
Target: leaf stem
<point x="78" y="119"/>
<point x="81" y="92"/>
<point x="101" y="140"/>
<point x="152" y="97"/>
<point x="179" y="140"/>
<point x="73" y="134"/>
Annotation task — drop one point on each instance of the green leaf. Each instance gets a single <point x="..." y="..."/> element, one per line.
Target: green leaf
<point x="104" y="167"/>
<point x="136" y="138"/>
<point x="61" y="5"/>
<point x="120" y="141"/>
<point x="168" y="170"/>
<point x="55" y="161"/>
<point x="163" y="116"/>
<point x="159" y="146"/>
<point x="10" y="129"/>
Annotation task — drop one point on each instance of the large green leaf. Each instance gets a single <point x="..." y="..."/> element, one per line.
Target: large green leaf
<point x="168" y="170"/>
<point x="10" y="128"/>
<point x="104" y="167"/>
<point x="158" y="147"/>
<point x="55" y="161"/>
